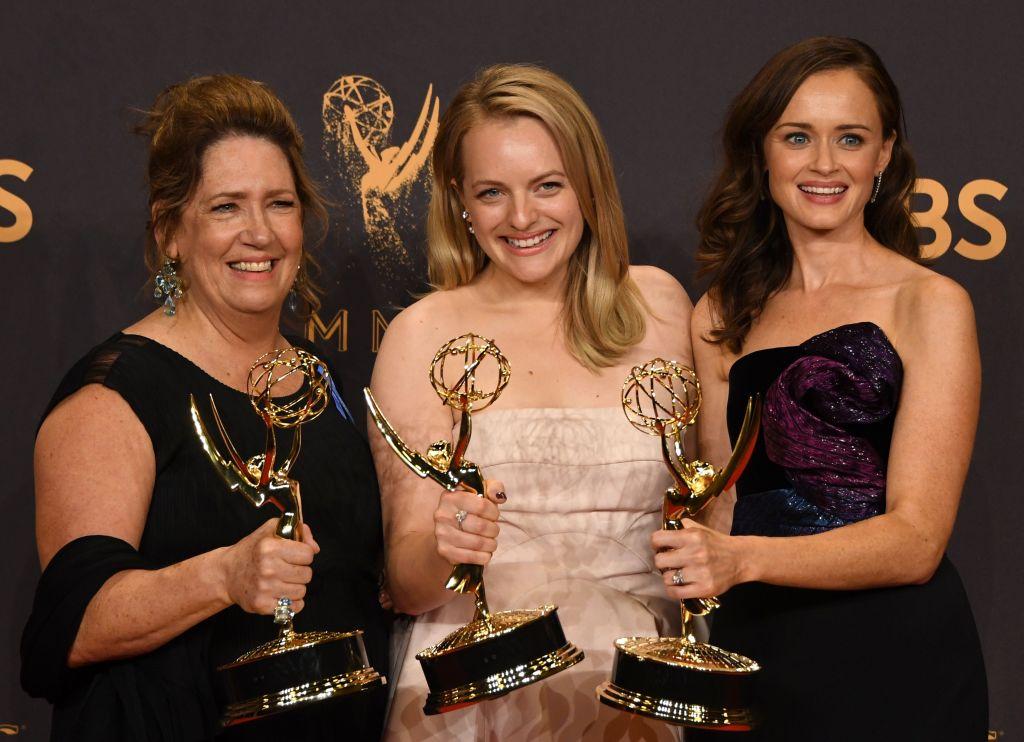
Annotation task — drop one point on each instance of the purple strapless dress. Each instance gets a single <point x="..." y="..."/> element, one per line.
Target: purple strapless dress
<point x="884" y="664"/>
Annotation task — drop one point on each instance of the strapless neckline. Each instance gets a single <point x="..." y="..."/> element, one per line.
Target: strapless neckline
<point x="866" y="324"/>
<point x="545" y="412"/>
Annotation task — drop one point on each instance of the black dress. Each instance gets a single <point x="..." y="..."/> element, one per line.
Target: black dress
<point x="899" y="663"/>
<point x="171" y="693"/>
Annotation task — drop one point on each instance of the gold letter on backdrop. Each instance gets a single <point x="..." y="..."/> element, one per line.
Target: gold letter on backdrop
<point x="9" y="202"/>
<point x="337" y="326"/>
<point x="933" y="218"/>
<point x="983" y="219"/>
<point x="378" y="326"/>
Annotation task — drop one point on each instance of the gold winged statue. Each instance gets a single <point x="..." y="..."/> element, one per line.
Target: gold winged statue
<point x="295" y="668"/>
<point x="444" y="463"/>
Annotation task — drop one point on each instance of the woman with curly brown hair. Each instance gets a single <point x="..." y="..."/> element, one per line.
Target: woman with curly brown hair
<point x="154" y="573"/>
<point x="834" y="575"/>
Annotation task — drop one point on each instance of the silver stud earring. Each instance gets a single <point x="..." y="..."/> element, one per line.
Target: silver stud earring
<point x="469" y="224"/>
<point x="878" y="186"/>
<point x="167" y="285"/>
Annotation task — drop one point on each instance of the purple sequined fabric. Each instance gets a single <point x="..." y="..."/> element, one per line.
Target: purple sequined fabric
<point x="847" y="377"/>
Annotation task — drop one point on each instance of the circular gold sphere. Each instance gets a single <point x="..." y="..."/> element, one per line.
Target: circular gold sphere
<point x="661" y="395"/>
<point x="292" y="410"/>
<point x="469" y="372"/>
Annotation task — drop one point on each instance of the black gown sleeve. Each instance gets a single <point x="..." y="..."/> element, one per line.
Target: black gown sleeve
<point x="72" y="578"/>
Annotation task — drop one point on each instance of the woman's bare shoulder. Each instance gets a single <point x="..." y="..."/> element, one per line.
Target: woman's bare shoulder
<point x="703" y="315"/>
<point x="94" y="469"/>
<point x="922" y="291"/>
<point x="423" y="313"/>
<point x="414" y="334"/>
<point x="933" y="312"/>
<point x="668" y="312"/>
<point x="659" y="287"/>
<point x="425" y="318"/>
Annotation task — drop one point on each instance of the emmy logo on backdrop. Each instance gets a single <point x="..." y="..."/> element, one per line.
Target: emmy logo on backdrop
<point x="495" y="653"/>
<point x="357" y="116"/>
<point x="679" y="679"/>
<point x="296" y="668"/>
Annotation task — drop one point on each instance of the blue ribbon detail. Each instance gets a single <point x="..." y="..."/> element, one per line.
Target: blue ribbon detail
<point x="339" y="403"/>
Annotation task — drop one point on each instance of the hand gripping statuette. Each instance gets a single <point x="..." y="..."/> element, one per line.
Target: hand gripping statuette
<point x="295" y="669"/>
<point x="680" y="679"/>
<point x="495" y="653"/>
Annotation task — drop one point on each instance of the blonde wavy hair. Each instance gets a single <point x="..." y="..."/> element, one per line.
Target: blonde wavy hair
<point x="604" y="311"/>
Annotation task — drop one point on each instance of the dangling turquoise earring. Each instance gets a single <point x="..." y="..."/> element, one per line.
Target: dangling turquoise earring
<point x="167" y="284"/>
<point x="292" y="302"/>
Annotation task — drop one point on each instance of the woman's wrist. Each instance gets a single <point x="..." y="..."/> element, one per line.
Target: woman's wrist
<point x="748" y="558"/>
<point x="415" y="558"/>
<point x="218" y="574"/>
<point x="416" y="575"/>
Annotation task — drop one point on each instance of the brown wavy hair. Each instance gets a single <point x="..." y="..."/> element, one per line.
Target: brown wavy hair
<point x="744" y="245"/>
<point x="604" y="311"/>
<point x="185" y="121"/>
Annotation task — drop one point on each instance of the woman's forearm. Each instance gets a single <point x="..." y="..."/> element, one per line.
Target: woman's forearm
<point x="883" y="551"/>
<point x="417" y="574"/>
<point x="137" y="611"/>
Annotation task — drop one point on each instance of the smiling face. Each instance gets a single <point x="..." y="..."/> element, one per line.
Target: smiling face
<point x="523" y="210"/>
<point x="240" y="236"/>
<point x="824" y="151"/>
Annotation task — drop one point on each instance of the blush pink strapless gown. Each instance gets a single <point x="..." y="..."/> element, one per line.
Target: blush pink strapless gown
<point x="584" y="495"/>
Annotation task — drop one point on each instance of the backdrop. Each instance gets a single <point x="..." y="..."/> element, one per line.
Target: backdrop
<point x="658" y="75"/>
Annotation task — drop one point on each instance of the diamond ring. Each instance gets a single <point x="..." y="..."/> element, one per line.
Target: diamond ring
<point x="677" y="577"/>
<point x="460" y="517"/>
<point x="283" y="613"/>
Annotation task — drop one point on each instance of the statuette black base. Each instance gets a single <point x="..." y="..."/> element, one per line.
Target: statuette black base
<point x="488" y="658"/>
<point x="682" y="682"/>
<point x="295" y="670"/>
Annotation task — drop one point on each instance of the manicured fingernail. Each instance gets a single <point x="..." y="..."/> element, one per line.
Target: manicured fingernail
<point x="500" y="496"/>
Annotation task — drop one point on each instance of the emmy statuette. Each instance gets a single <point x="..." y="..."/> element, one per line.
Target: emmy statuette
<point x="295" y="669"/>
<point x="679" y="679"/>
<point x="495" y="653"/>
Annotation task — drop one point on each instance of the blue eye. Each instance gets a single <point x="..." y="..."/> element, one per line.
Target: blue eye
<point x="489" y="193"/>
<point x="798" y="137"/>
<point x="224" y="208"/>
<point x="550" y="186"/>
<point x="850" y="140"/>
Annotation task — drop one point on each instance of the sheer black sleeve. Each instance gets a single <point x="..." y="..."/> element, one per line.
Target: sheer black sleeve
<point x="72" y="578"/>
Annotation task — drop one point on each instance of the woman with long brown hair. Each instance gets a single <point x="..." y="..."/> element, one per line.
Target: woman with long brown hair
<point x="834" y="576"/>
<point x="527" y="245"/>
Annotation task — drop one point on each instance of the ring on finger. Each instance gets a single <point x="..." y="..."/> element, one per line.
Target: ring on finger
<point x="460" y="517"/>
<point x="677" y="577"/>
<point x="283" y="613"/>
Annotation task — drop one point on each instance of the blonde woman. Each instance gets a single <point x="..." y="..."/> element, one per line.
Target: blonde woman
<point x="527" y="245"/>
